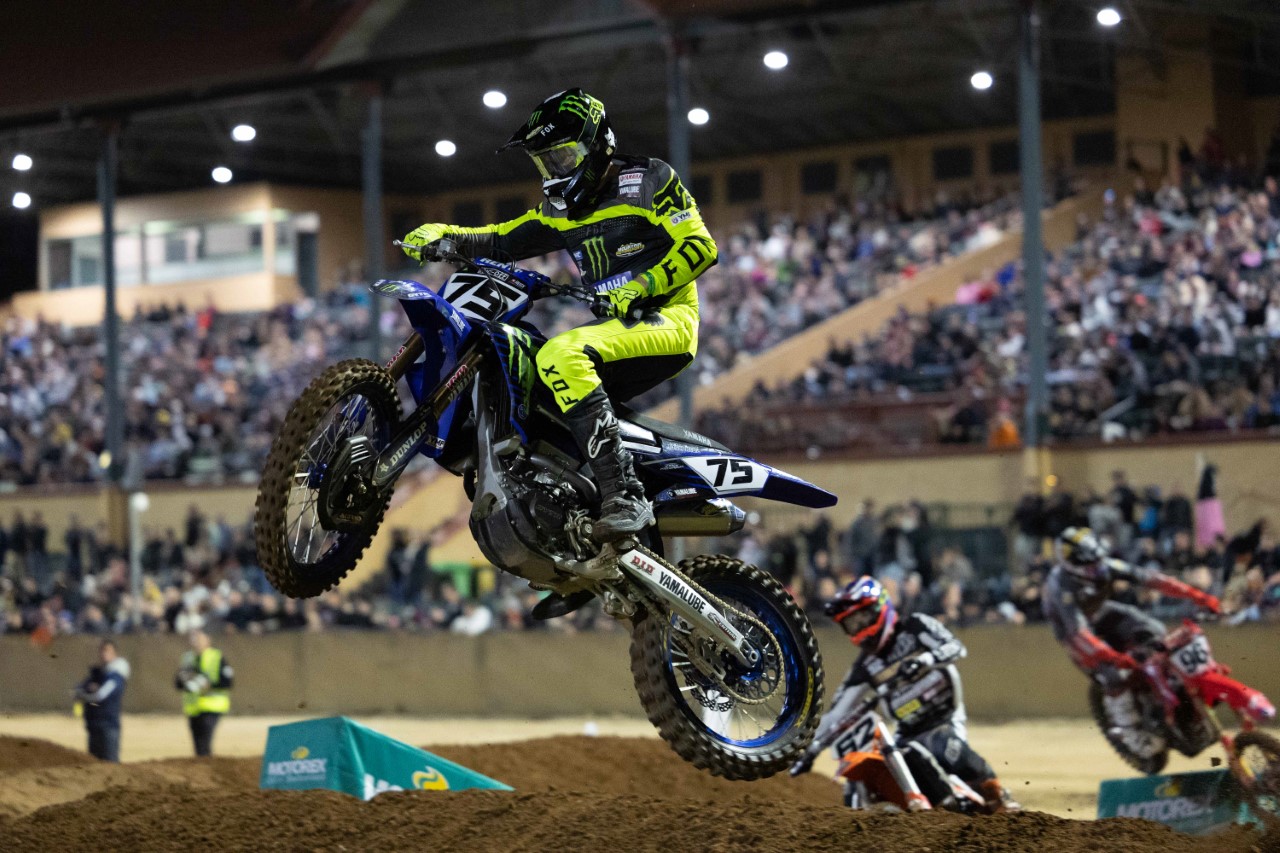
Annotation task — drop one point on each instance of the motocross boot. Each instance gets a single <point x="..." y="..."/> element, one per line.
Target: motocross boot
<point x="623" y="508"/>
<point x="998" y="798"/>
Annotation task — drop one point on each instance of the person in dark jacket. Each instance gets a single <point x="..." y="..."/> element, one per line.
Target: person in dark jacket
<point x="102" y="697"/>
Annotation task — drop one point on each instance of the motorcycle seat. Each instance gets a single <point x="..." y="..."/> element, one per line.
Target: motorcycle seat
<point x="666" y="430"/>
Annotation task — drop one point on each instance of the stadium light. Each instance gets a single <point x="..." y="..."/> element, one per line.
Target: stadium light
<point x="1108" y="16"/>
<point x="22" y="162"/>
<point x="21" y="200"/>
<point x="446" y="148"/>
<point x="243" y="133"/>
<point x="495" y="100"/>
<point x="222" y="174"/>
<point x="981" y="80"/>
<point x="698" y="115"/>
<point x="776" y="60"/>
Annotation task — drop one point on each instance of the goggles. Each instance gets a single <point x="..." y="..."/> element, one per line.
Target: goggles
<point x="859" y="620"/>
<point x="559" y="161"/>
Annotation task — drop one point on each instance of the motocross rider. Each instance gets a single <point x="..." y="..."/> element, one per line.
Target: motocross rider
<point x="924" y="694"/>
<point x="1106" y="639"/>
<point x="638" y="239"/>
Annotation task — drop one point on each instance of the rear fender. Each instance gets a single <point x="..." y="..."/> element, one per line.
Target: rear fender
<point x="717" y="474"/>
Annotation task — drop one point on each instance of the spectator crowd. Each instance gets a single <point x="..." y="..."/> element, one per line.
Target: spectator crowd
<point x="205" y="392"/>
<point x="205" y="576"/>
<point x="931" y="570"/>
<point x="1164" y="316"/>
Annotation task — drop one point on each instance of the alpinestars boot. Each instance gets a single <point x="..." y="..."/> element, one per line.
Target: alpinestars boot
<point x="997" y="796"/>
<point x="623" y="508"/>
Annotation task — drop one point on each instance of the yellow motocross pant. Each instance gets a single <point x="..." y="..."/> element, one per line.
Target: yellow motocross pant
<point x="628" y="357"/>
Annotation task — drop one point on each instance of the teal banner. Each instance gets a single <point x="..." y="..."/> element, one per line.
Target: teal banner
<point x="1195" y="803"/>
<point x="342" y="755"/>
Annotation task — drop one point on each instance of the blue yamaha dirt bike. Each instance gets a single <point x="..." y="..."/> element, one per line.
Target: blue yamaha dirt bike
<point x="725" y="663"/>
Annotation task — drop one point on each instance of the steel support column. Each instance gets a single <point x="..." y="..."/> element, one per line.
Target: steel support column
<point x="1032" y="237"/>
<point x="371" y="192"/>
<point x="678" y="157"/>
<point x="107" y="171"/>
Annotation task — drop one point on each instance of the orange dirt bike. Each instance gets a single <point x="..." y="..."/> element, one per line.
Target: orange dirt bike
<point x="1177" y="692"/>
<point x="875" y="771"/>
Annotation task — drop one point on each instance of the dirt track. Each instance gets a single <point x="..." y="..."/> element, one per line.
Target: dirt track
<point x="571" y="793"/>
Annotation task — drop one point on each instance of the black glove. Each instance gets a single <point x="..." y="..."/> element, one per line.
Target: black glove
<point x="602" y="307"/>
<point x="802" y="766"/>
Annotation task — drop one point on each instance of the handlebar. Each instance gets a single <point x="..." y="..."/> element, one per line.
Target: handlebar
<point x="445" y="250"/>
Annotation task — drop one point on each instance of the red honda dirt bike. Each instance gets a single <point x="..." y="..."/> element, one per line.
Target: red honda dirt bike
<point x="875" y="773"/>
<point x="1177" y="694"/>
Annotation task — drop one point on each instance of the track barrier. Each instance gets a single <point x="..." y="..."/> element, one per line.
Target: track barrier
<point x="342" y="755"/>
<point x="1196" y="803"/>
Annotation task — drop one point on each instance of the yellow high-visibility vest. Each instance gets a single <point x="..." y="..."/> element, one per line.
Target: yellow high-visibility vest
<point x="213" y="701"/>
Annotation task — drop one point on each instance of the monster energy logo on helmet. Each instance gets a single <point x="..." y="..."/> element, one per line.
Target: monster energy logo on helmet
<point x="596" y="257"/>
<point x="581" y="105"/>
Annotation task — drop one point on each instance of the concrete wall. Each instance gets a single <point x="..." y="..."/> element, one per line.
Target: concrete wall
<point x="1247" y="473"/>
<point x="1010" y="672"/>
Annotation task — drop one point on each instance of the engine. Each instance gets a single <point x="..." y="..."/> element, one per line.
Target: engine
<point x="531" y="522"/>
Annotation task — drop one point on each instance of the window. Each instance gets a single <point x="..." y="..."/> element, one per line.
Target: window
<point x="59" y="263"/>
<point x="1094" y="148"/>
<point x="1003" y="157"/>
<point x="468" y="213"/>
<point x="179" y="251"/>
<point x="702" y="189"/>
<point x="873" y="175"/>
<point x="511" y="207"/>
<point x="950" y="164"/>
<point x="818" y="177"/>
<point x="744" y="186"/>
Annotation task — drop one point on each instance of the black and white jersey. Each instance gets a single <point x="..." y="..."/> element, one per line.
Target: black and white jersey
<point x="933" y="696"/>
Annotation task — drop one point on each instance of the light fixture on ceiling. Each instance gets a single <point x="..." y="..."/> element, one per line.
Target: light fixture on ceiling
<point x="243" y="133"/>
<point x="698" y="115"/>
<point x="776" y="60"/>
<point x="446" y="148"/>
<point x="1108" y="16"/>
<point x="495" y="100"/>
<point x="21" y="200"/>
<point x="22" y="162"/>
<point x="222" y="174"/>
<point x="982" y="80"/>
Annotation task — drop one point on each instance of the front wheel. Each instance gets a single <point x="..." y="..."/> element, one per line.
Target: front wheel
<point x="1257" y="769"/>
<point x="756" y="721"/>
<point x="301" y="554"/>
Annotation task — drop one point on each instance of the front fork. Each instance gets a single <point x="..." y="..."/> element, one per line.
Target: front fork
<point x="663" y="581"/>
<point x="916" y="800"/>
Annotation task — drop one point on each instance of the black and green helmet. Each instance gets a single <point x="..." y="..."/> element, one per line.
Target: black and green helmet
<point x="570" y="140"/>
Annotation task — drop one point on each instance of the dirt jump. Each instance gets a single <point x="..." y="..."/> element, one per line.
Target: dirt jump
<point x="572" y="793"/>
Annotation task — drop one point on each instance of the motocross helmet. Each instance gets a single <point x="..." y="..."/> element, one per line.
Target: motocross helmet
<point x="864" y="611"/>
<point x="570" y="141"/>
<point x="1082" y="554"/>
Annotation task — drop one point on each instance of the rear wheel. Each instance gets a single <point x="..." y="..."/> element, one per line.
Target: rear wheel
<point x="1143" y="764"/>
<point x="301" y="554"/>
<point x="756" y="721"/>
<point x="1257" y="769"/>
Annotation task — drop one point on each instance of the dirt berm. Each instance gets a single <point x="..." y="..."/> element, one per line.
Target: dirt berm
<point x="572" y="793"/>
